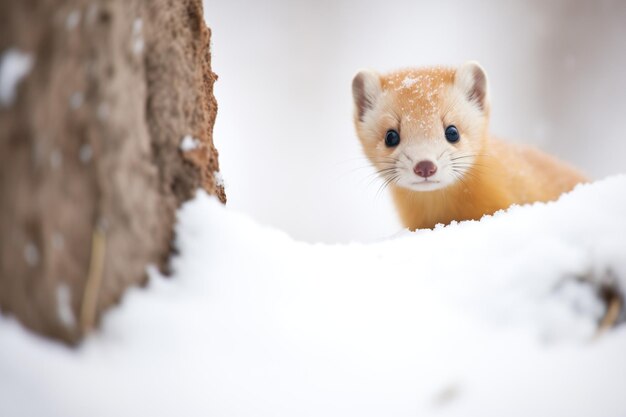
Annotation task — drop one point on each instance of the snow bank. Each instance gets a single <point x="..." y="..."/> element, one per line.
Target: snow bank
<point x="486" y="318"/>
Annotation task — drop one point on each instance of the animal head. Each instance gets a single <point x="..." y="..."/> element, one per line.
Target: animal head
<point x="423" y="129"/>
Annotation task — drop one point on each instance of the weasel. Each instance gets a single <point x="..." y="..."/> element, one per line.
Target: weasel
<point x="426" y="132"/>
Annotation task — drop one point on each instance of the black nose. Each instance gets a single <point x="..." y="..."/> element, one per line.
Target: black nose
<point x="425" y="169"/>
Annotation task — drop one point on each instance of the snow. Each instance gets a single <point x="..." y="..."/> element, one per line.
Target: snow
<point x="76" y="100"/>
<point x="408" y="82"/>
<point x="31" y="254"/>
<point x="14" y="66"/>
<point x="424" y="87"/>
<point x="219" y="180"/>
<point x="72" y="20"/>
<point x="484" y="318"/>
<point x="189" y="143"/>
<point x="137" y="26"/>
<point x="64" y="309"/>
<point x="137" y="38"/>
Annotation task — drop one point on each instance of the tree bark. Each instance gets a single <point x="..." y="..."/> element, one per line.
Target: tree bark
<point x="92" y="168"/>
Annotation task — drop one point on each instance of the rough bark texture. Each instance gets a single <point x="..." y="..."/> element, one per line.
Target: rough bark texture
<point x="91" y="168"/>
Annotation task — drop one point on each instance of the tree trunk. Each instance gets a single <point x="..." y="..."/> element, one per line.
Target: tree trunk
<point x="106" y="119"/>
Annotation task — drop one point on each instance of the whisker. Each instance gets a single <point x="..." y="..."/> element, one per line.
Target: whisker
<point x="383" y="186"/>
<point x="460" y="177"/>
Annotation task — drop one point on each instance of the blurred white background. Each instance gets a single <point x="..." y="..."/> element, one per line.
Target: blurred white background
<point x="288" y="151"/>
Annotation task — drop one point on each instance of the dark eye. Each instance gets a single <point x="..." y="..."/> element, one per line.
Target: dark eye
<point x="452" y="134"/>
<point x="392" y="138"/>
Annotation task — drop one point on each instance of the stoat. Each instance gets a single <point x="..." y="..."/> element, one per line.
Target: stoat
<point x="426" y="131"/>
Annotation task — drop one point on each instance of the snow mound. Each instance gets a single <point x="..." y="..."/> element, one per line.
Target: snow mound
<point x="488" y="318"/>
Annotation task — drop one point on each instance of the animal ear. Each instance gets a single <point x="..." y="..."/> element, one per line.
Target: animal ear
<point x="472" y="80"/>
<point x="366" y="89"/>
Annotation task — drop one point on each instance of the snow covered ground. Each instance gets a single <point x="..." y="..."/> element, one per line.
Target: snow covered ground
<point x="489" y="318"/>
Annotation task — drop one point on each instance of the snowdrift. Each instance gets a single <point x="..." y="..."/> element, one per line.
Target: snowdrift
<point x="490" y="318"/>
